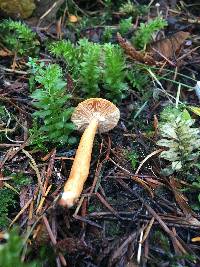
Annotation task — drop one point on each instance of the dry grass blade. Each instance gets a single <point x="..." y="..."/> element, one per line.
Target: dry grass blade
<point x="42" y="200"/>
<point x="107" y="205"/>
<point x="147" y="229"/>
<point x="148" y="157"/>
<point x="142" y="183"/>
<point x="35" y="168"/>
<point x="21" y="212"/>
<point x="53" y="239"/>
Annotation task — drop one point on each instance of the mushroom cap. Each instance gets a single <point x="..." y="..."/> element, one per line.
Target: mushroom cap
<point x="105" y="112"/>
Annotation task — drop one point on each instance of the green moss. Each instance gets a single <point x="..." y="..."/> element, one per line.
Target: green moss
<point x="8" y="197"/>
<point x="18" y="37"/>
<point x="94" y="66"/>
<point x="145" y="31"/>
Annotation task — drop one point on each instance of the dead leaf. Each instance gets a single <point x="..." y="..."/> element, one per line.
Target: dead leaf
<point x="133" y="53"/>
<point x="195" y="110"/>
<point x="5" y="53"/>
<point x="196" y="239"/>
<point x="73" y="18"/>
<point x="168" y="47"/>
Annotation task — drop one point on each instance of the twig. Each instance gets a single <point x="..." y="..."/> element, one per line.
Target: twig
<point x="14" y="71"/>
<point x="53" y="239"/>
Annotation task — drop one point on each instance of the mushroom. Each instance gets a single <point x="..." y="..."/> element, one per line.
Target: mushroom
<point x="89" y="116"/>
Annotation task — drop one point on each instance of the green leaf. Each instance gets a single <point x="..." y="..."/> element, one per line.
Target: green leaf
<point x="195" y="110"/>
<point x="186" y="115"/>
<point x="176" y="165"/>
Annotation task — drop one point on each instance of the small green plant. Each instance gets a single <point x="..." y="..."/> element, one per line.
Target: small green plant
<point x="114" y="72"/>
<point x="165" y="253"/>
<point x="139" y="81"/>
<point x="6" y="202"/>
<point x="144" y="34"/>
<point x="53" y="104"/>
<point x="10" y="252"/>
<point x="3" y="121"/>
<point x="130" y="8"/>
<point x="107" y="34"/>
<point x="18" y="37"/>
<point x="67" y="51"/>
<point x="37" y="138"/>
<point x="8" y="197"/>
<point x="181" y="140"/>
<point x="125" y="25"/>
<point x="133" y="157"/>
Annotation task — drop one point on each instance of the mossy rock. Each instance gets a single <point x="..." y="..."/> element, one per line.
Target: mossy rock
<point x="17" y="8"/>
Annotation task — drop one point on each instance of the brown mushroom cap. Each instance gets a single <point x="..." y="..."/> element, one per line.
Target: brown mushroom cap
<point x="105" y="112"/>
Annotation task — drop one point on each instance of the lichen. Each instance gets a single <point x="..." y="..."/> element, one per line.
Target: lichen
<point x="17" y="8"/>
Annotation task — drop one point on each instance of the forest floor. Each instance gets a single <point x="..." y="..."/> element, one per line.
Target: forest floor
<point x="141" y="202"/>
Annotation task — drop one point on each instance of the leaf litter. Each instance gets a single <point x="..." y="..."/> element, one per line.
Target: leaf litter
<point x="126" y="216"/>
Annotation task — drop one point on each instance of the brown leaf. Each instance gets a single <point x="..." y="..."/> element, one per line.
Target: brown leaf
<point x="180" y="198"/>
<point x="168" y="47"/>
<point x="5" y="53"/>
<point x="72" y="18"/>
<point x="196" y="239"/>
<point x="133" y="53"/>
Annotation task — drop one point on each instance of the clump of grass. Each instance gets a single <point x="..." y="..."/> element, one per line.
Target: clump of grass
<point x="139" y="80"/>
<point x="107" y="34"/>
<point x="67" y="51"/>
<point x="133" y="157"/>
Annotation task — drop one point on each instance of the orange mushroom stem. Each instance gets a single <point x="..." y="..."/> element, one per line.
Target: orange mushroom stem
<point x="91" y="114"/>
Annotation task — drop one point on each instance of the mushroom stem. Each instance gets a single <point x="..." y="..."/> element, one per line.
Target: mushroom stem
<point x="81" y="166"/>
